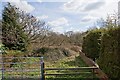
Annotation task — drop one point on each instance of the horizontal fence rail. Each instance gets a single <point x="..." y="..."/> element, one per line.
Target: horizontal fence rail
<point x="21" y="67"/>
<point x="77" y="73"/>
<point x="18" y="57"/>
<point x="79" y="68"/>
<point x="21" y="70"/>
<point x="20" y="63"/>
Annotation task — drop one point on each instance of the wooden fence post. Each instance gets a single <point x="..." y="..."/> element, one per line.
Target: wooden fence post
<point x="93" y="73"/>
<point x="42" y="69"/>
<point x="2" y="67"/>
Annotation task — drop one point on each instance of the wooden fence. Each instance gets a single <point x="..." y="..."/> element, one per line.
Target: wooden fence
<point x="43" y="71"/>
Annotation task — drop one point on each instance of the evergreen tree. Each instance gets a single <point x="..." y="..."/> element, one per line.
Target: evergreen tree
<point x="20" y="29"/>
<point x="13" y="36"/>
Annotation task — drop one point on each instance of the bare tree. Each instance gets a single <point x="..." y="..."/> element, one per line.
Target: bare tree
<point x="35" y="29"/>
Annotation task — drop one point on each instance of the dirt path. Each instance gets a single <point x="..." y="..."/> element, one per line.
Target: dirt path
<point x="90" y="62"/>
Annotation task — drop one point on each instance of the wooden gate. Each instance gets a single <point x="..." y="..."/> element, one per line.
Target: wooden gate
<point x="20" y="68"/>
<point x="33" y="68"/>
<point x="44" y="74"/>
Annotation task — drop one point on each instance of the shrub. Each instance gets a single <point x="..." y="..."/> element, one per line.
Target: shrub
<point x="91" y="44"/>
<point x="109" y="56"/>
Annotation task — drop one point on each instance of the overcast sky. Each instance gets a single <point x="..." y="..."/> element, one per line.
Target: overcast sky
<point x="67" y="15"/>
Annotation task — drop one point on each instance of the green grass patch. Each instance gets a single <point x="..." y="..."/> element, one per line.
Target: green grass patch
<point x="69" y="62"/>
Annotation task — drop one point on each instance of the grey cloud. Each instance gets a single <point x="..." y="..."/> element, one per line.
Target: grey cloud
<point x="86" y="20"/>
<point x="93" y="6"/>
